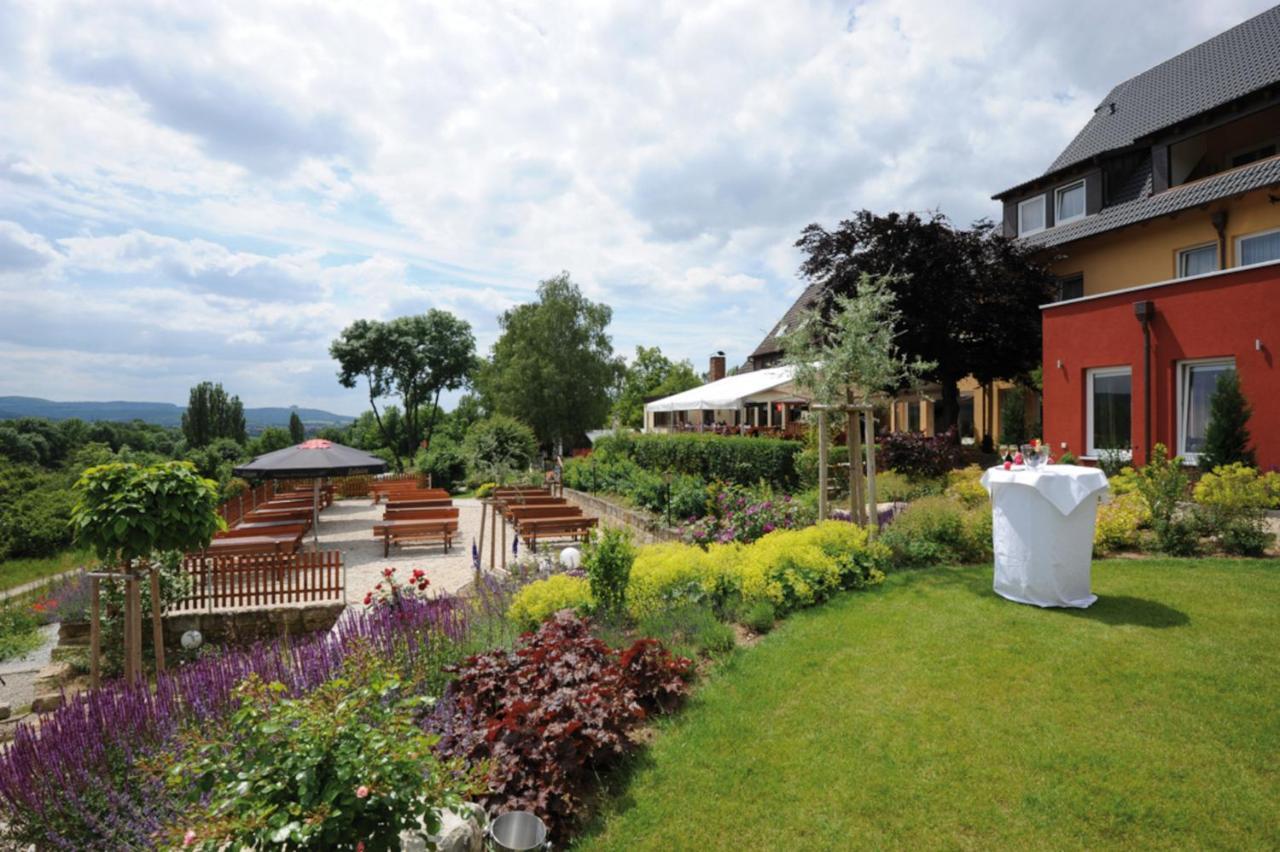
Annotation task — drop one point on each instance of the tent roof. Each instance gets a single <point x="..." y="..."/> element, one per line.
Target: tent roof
<point x="729" y="392"/>
<point x="314" y="458"/>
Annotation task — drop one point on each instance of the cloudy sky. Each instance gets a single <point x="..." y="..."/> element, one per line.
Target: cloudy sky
<point x="199" y="191"/>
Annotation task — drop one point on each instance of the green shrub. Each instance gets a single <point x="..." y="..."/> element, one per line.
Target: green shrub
<point x="741" y="460"/>
<point x="1163" y="484"/>
<point x="444" y="461"/>
<point x="1271" y="483"/>
<point x="683" y="497"/>
<point x="347" y="760"/>
<point x="484" y="489"/>
<point x="1123" y="482"/>
<point x="1231" y="502"/>
<point x="715" y="637"/>
<point x="537" y="601"/>
<point x="19" y="630"/>
<point x="937" y="530"/>
<point x="759" y="617"/>
<point x="807" y="465"/>
<point x="1118" y="523"/>
<point x="670" y="575"/>
<point x="499" y="447"/>
<point x="607" y="560"/>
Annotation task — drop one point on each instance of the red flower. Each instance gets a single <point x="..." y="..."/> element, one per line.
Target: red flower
<point x="368" y="598"/>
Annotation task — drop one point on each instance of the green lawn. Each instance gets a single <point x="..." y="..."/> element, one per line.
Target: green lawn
<point x="15" y="572"/>
<point x="932" y="714"/>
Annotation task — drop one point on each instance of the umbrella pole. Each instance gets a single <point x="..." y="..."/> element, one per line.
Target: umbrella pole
<point x="315" y="513"/>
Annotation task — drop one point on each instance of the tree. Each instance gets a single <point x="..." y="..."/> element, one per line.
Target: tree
<point x="415" y="358"/>
<point x="272" y="438"/>
<point x="1226" y="437"/>
<point x="211" y="414"/>
<point x="127" y="513"/>
<point x="498" y="447"/>
<point x="553" y="367"/>
<point x="970" y="299"/>
<point x="297" y="432"/>
<point x="650" y="374"/>
<point x="843" y="355"/>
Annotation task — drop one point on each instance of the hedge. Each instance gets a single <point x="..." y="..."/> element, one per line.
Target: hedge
<point x="737" y="459"/>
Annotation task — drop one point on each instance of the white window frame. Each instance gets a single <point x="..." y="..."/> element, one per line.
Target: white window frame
<point x="1057" y="196"/>
<point x="1044" y="214"/>
<point x="1091" y="452"/>
<point x="1240" y="245"/>
<point x="1181" y="426"/>
<point x="1184" y="251"/>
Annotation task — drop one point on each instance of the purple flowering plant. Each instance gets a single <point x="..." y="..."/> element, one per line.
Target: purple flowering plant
<point x="740" y="515"/>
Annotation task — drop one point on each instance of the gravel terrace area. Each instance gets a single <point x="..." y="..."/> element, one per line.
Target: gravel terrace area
<point x="347" y="525"/>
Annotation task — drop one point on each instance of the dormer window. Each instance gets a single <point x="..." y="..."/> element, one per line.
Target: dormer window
<point x="1031" y="216"/>
<point x="1069" y="203"/>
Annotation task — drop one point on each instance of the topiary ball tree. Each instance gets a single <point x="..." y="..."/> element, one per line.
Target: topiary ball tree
<point x="126" y="512"/>
<point x="1226" y="438"/>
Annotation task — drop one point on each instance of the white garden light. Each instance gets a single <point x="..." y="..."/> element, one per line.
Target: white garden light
<point x="192" y="639"/>
<point x="571" y="558"/>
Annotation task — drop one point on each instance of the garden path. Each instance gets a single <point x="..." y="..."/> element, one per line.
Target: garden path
<point x="348" y="526"/>
<point x="19" y="675"/>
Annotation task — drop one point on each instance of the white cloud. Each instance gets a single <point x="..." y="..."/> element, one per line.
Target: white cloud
<point x="203" y="185"/>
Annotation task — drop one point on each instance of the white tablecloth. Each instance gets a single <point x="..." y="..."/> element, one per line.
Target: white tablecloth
<point x="1042" y="532"/>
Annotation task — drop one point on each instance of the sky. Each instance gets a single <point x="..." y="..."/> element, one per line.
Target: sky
<point x="212" y="191"/>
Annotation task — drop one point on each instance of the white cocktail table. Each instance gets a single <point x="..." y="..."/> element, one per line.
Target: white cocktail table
<point x="1042" y="532"/>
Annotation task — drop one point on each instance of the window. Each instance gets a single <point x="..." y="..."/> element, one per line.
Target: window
<point x="1197" y="381"/>
<point x="1031" y="216"/>
<point x="1069" y="203"/>
<point x="1246" y="157"/>
<point x="1071" y="287"/>
<point x="1258" y="248"/>
<point x="1198" y="260"/>
<point x="913" y="417"/>
<point x="1109" y="409"/>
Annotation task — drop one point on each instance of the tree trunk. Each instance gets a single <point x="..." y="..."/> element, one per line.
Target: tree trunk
<point x="395" y="453"/>
<point x="950" y="406"/>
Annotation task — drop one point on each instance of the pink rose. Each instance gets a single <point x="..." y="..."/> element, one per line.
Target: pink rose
<point x="188" y="838"/>
<point x="362" y="792"/>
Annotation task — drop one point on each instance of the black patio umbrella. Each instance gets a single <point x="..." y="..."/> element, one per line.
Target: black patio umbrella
<point x="314" y="459"/>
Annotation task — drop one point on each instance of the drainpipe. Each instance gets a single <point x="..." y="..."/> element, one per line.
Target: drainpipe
<point x="1219" y="220"/>
<point x="1145" y="312"/>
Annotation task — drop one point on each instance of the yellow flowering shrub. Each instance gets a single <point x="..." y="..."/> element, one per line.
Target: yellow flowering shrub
<point x="966" y="486"/>
<point x="1118" y="523"/>
<point x="536" y="601"/>
<point x="1124" y="482"/>
<point x="1271" y="483"/>
<point x="671" y="573"/>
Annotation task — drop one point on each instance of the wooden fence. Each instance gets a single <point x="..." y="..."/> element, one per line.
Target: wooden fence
<point x="240" y="505"/>
<point x="261" y="582"/>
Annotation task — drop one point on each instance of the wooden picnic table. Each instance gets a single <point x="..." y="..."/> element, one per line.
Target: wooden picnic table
<point x="301" y="514"/>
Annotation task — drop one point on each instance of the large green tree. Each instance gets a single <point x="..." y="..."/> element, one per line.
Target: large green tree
<point x="553" y="367"/>
<point x="211" y="414"/>
<point x="415" y="358"/>
<point x="969" y="298"/>
<point x="650" y="374"/>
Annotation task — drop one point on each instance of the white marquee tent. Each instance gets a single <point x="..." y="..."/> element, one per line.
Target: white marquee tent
<point x="751" y="398"/>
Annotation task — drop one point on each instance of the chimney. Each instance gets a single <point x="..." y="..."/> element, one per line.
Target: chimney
<point x="717" y="366"/>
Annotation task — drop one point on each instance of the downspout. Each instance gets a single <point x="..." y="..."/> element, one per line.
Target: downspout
<point x="1145" y="312"/>
<point x="1219" y="220"/>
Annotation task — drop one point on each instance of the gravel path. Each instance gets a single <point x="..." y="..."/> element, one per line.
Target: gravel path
<point x="348" y="526"/>
<point x="19" y="675"/>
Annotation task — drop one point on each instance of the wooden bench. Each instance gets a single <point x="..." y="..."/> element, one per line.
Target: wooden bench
<point x="427" y="503"/>
<point x="430" y="513"/>
<point x="414" y="531"/>
<point x="572" y="527"/>
<point x="251" y="545"/>
<point x="516" y="514"/>
<point x="377" y="491"/>
<point x="302" y="514"/>
<point x="270" y="531"/>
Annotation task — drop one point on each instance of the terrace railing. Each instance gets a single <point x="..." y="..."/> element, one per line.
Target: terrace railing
<point x="219" y="583"/>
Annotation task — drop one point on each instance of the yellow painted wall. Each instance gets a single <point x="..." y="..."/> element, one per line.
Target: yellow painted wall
<point x="1147" y="252"/>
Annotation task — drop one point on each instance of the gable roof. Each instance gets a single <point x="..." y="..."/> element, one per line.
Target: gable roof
<point x="771" y="343"/>
<point x="1228" y="66"/>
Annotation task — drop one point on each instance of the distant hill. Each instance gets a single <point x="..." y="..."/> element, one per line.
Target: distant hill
<point x="161" y="413"/>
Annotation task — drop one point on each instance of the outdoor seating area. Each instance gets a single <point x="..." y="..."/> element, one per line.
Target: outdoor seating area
<point x="537" y="515"/>
<point x="414" y="515"/>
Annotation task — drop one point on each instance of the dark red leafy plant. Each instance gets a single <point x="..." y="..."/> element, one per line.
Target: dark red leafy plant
<point x="551" y="714"/>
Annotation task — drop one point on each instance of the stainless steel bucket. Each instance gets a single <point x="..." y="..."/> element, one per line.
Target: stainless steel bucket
<point x="518" y="831"/>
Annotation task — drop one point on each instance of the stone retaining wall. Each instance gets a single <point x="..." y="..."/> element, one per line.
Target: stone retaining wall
<point x="243" y="627"/>
<point x="647" y="530"/>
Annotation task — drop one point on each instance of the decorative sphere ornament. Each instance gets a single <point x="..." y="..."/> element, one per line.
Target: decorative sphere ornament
<point x="192" y="640"/>
<point x="571" y="558"/>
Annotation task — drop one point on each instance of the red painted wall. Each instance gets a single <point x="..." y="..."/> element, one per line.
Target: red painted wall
<point x="1214" y="316"/>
